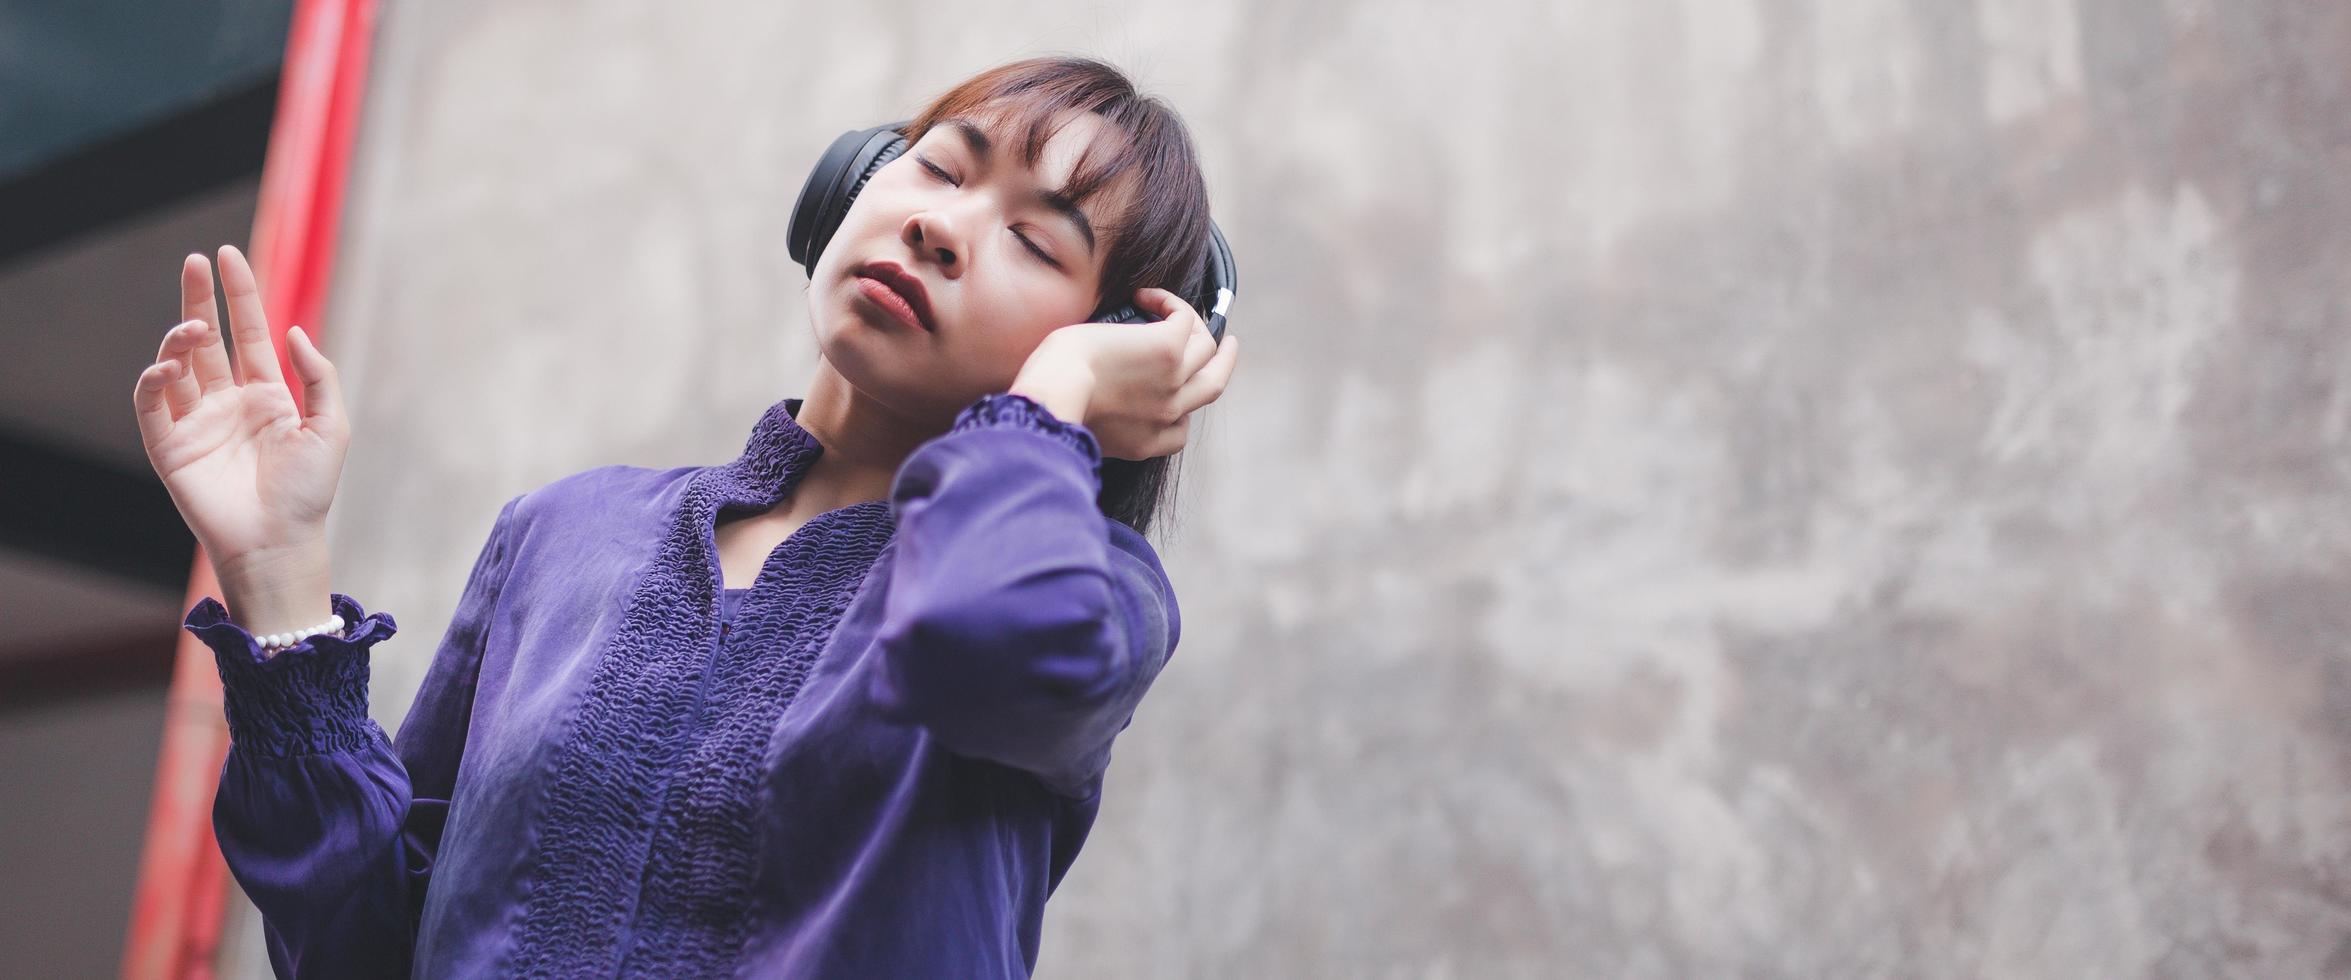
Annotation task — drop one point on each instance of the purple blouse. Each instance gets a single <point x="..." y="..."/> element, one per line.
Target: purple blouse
<point x="877" y="760"/>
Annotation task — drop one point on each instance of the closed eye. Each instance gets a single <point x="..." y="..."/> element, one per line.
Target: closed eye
<point x="945" y="177"/>
<point x="1040" y="253"/>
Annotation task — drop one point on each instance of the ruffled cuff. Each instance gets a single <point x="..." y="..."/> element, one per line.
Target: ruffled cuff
<point x="308" y="698"/>
<point x="1005" y="409"/>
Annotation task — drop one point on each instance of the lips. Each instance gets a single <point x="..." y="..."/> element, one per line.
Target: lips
<point x="903" y="286"/>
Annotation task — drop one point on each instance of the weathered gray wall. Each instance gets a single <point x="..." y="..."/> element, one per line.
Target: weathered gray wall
<point x="1712" y="488"/>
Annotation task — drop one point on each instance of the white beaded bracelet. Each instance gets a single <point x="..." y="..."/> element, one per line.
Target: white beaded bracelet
<point x="279" y="641"/>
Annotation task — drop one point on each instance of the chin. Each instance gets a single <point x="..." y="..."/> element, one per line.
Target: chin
<point x="886" y="373"/>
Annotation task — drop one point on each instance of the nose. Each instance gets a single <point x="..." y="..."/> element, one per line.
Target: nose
<point x="931" y="235"/>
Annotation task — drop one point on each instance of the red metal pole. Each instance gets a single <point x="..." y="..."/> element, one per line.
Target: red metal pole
<point x="183" y="884"/>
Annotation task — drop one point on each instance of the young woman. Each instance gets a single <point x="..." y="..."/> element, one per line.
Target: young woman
<point x="839" y="707"/>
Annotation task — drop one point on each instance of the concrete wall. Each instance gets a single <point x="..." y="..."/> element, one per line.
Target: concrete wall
<point x="1712" y="488"/>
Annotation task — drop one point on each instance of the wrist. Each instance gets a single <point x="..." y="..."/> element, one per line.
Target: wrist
<point x="1063" y="388"/>
<point x="277" y="590"/>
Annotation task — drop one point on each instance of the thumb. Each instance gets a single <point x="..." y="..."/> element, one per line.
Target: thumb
<point x="322" y="388"/>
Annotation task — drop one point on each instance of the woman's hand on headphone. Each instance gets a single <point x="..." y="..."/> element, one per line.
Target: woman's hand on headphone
<point x="1134" y="385"/>
<point x="251" y="474"/>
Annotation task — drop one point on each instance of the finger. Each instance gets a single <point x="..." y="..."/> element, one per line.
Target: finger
<point x="1199" y="346"/>
<point x="196" y="303"/>
<point x="155" y="416"/>
<point x="182" y="392"/>
<point x="257" y="360"/>
<point x="1171" y="439"/>
<point x="322" y="389"/>
<point x="1160" y="440"/>
<point x="1209" y="384"/>
<point x="1163" y="304"/>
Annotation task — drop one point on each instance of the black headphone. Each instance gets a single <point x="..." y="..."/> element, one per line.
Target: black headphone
<point x="853" y="159"/>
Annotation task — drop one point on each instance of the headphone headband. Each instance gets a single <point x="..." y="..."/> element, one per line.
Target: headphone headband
<point x="855" y="156"/>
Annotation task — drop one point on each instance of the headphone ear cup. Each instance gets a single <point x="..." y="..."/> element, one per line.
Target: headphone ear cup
<point x="1123" y="313"/>
<point x="889" y="151"/>
<point x="833" y="185"/>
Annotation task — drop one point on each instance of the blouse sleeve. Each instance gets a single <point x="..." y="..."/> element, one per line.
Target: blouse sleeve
<point x="1021" y="625"/>
<point x="330" y="826"/>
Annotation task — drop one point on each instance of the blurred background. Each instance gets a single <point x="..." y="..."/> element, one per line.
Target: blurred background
<point x="1711" y="488"/>
<point x="131" y="133"/>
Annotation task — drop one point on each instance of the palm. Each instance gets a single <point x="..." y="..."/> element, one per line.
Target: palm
<point x="249" y="471"/>
<point x="244" y="470"/>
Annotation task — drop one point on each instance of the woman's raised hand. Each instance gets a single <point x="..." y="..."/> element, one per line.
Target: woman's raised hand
<point x="1134" y="385"/>
<point x="251" y="475"/>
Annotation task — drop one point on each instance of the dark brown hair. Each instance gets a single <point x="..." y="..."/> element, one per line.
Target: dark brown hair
<point x="1158" y="238"/>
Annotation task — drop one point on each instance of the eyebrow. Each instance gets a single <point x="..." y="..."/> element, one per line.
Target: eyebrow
<point x="1059" y="202"/>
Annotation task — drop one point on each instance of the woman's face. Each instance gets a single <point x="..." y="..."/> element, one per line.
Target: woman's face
<point x="999" y="264"/>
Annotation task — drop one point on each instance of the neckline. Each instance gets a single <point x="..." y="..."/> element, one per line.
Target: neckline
<point x="773" y="460"/>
